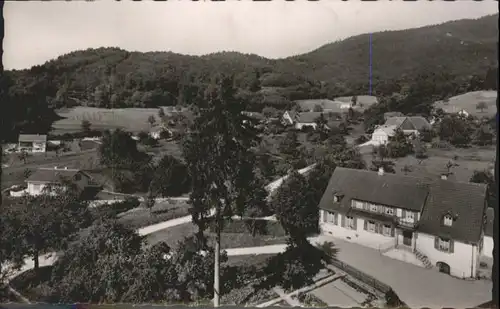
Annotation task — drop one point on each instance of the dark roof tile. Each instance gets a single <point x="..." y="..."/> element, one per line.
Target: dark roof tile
<point x="32" y="138"/>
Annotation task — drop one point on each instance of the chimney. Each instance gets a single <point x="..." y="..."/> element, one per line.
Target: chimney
<point x="65" y="167"/>
<point x="380" y="171"/>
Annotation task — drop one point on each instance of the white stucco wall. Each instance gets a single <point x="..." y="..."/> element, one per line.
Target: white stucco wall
<point x="463" y="261"/>
<point x="359" y="236"/>
<point x="488" y="246"/>
<point x="35" y="188"/>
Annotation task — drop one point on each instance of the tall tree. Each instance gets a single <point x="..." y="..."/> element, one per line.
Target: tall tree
<point x="220" y="162"/>
<point x="486" y="177"/>
<point x="171" y="177"/>
<point x="290" y="148"/>
<point x="45" y="222"/>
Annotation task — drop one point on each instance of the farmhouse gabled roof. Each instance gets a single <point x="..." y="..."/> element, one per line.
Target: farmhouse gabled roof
<point x="434" y="198"/>
<point x="408" y="123"/>
<point x="465" y="201"/>
<point x="51" y="175"/>
<point x="32" y="138"/>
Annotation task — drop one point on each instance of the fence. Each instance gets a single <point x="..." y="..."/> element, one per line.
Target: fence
<point x="361" y="276"/>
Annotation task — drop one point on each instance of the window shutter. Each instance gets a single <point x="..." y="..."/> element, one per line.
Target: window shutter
<point x="451" y="249"/>
<point x="325" y="214"/>
<point x="355" y="223"/>
<point x="365" y="225"/>
<point x="342" y="221"/>
<point x="404" y="213"/>
<point x="436" y="242"/>
<point x="366" y="206"/>
<point x="336" y="219"/>
<point x="392" y="231"/>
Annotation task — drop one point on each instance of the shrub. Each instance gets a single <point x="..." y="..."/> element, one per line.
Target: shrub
<point x="440" y="144"/>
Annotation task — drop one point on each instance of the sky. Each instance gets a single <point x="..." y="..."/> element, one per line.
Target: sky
<point x="39" y="31"/>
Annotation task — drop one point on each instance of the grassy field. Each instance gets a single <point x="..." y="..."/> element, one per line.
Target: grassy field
<point x="164" y="211"/>
<point x="468" y="161"/>
<point x="129" y="119"/>
<point x="468" y="102"/>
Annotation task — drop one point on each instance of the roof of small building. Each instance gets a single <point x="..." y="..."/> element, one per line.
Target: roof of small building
<point x="255" y="115"/>
<point x="32" y="137"/>
<point x="433" y="197"/>
<point x="52" y="175"/>
<point x="408" y="123"/>
<point x="388" y="129"/>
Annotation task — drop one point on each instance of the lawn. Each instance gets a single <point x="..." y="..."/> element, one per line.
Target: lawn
<point x="164" y="211"/>
<point x="229" y="239"/>
<point x="468" y="161"/>
<point x="129" y="119"/>
<point x="468" y="102"/>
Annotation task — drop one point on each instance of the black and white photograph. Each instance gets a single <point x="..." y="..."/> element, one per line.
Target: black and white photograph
<point x="249" y="153"/>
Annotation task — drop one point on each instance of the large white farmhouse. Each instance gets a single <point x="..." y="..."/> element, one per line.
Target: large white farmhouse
<point x="429" y="222"/>
<point x="382" y="134"/>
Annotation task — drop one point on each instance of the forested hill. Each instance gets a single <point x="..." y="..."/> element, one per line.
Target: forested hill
<point x="112" y="77"/>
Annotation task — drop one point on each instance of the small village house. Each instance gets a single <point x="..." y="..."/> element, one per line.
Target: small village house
<point x="409" y="125"/>
<point x="33" y="142"/>
<point x="382" y="134"/>
<point x="44" y="177"/>
<point x="433" y="223"/>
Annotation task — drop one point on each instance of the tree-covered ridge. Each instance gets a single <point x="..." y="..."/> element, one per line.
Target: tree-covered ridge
<point x="113" y="78"/>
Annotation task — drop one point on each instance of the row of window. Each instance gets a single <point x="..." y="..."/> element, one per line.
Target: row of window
<point x="390" y="211"/>
<point x="350" y="223"/>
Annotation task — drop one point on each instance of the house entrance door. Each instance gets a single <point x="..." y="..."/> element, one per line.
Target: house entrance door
<point x="407" y="237"/>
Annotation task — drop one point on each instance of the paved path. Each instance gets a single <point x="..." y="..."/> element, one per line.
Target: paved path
<point x="292" y="302"/>
<point x="416" y="286"/>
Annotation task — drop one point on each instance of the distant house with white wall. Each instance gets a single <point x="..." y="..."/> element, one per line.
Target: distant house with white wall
<point x="382" y="134"/>
<point x="32" y="142"/>
<point x="157" y="131"/>
<point x="488" y="233"/>
<point x="300" y="120"/>
<point x="437" y="221"/>
<point x="55" y="177"/>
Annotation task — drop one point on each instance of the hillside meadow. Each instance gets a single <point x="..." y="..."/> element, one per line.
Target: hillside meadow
<point x="129" y="119"/>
